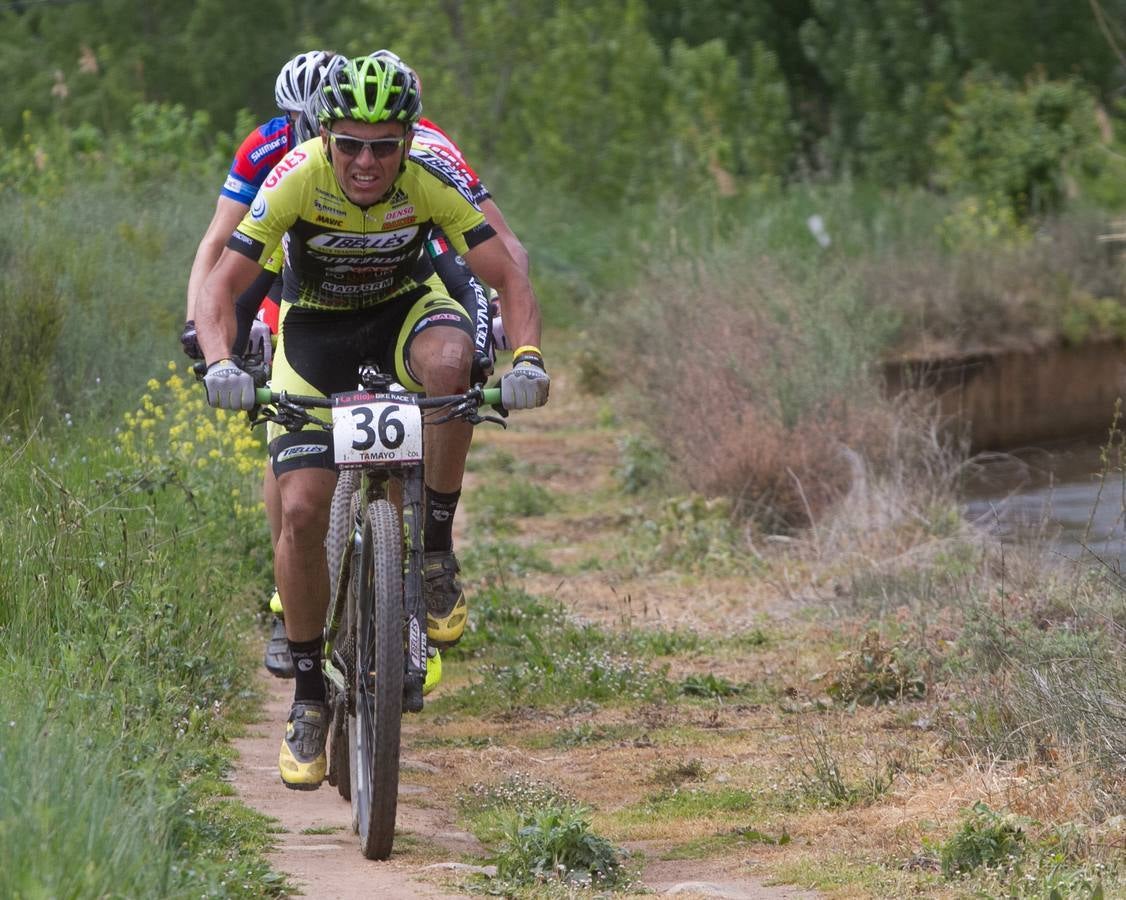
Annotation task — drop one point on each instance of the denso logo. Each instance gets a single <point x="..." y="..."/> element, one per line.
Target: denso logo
<point x="385" y="240"/>
<point x="283" y="168"/>
<point x="266" y="149"/>
<point x="407" y="212"/>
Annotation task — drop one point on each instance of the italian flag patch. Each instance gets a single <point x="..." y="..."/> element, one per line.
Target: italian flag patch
<point x="437" y="247"/>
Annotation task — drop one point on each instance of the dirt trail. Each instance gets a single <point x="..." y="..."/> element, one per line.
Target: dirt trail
<point x="316" y="847"/>
<point x="318" y="851"/>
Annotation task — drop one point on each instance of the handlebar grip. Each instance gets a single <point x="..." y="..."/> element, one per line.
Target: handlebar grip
<point x="263" y="395"/>
<point x="491" y="396"/>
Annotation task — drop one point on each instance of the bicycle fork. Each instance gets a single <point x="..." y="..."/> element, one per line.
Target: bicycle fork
<point x="414" y="605"/>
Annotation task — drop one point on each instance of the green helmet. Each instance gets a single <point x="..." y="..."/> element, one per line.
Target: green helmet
<point x="368" y="89"/>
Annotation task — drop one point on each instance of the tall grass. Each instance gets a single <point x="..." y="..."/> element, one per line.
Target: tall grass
<point x="754" y="380"/>
<point x="123" y="657"/>
<point x="94" y="293"/>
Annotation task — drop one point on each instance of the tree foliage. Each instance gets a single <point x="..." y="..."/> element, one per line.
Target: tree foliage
<point x="604" y="97"/>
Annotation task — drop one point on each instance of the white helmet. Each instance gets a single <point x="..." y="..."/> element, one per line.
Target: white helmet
<point x="296" y="85"/>
<point x="387" y="54"/>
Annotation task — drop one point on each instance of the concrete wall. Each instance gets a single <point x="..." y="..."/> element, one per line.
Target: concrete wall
<point x="1013" y="398"/>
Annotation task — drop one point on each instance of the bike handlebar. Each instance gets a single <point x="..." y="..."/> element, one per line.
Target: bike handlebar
<point x="488" y="397"/>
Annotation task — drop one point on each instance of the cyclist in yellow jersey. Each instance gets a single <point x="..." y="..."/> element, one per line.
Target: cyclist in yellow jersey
<point x="356" y="209"/>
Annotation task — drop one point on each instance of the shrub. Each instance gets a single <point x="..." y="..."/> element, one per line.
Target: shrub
<point x="556" y="843"/>
<point x="986" y="838"/>
<point x="753" y="381"/>
<point x="874" y="673"/>
<point x="541" y="835"/>
<point x="1017" y="145"/>
<point x="642" y="464"/>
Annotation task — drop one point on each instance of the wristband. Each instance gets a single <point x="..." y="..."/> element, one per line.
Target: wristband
<point x="528" y="357"/>
<point x="527" y="348"/>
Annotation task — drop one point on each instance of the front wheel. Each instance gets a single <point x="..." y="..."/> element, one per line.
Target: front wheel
<point x="378" y="680"/>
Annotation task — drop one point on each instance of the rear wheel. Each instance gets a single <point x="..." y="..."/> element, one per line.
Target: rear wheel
<point x="339" y="770"/>
<point x="378" y="678"/>
<point x="341" y="525"/>
<point x="341" y="519"/>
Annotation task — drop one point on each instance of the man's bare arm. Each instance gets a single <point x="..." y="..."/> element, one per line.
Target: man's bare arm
<point x="515" y="249"/>
<point x="228" y="213"/>
<point x="492" y="263"/>
<point x="215" y="307"/>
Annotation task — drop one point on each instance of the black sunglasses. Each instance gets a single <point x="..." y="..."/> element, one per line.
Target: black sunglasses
<point x="380" y="148"/>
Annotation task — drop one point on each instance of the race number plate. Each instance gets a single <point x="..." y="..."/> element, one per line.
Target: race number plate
<point x="376" y="429"/>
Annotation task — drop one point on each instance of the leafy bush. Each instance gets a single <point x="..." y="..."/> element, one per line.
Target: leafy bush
<point x="557" y="844"/>
<point x="690" y="532"/>
<point x="643" y="464"/>
<point x="986" y="838"/>
<point x="511" y="497"/>
<point x="1018" y="145"/>
<point x="874" y="673"/>
<point x="541" y="836"/>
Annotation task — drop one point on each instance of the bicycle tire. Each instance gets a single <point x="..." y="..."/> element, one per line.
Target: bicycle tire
<point x="342" y="518"/>
<point x="378" y="681"/>
<point x="339" y="764"/>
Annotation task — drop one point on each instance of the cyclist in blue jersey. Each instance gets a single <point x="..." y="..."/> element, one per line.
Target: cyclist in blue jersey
<point x="259" y="152"/>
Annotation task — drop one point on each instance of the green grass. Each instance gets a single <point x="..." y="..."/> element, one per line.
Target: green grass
<point x="734" y="840"/>
<point x="120" y="287"/>
<point x="690" y="803"/>
<point x="539" y="837"/>
<point x="513" y="498"/>
<point x="123" y="668"/>
<point x="530" y="653"/>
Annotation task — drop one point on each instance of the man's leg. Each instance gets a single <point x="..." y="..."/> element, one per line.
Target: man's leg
<point x="302" y="578"/>
<point x="279" y="663"/>
<point x="440" y="358"/>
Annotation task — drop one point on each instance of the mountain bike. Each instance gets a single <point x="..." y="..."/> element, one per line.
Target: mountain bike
<point x="375" y="629"/>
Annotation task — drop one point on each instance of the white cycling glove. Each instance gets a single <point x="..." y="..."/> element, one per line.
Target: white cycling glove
<point x="527" y="385"/>
<point x="228" y="386"/>
<point x="260" y="343"/>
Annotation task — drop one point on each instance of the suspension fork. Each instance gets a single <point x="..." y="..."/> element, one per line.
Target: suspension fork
<point x="414" y="606"/>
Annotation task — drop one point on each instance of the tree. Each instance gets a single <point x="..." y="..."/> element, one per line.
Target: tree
<point x="890" y="66"/>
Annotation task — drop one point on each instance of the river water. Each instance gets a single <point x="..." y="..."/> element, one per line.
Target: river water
<point x="1072" y="494"/>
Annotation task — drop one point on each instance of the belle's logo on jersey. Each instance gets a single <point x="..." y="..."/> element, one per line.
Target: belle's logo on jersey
<point x="258" y="209"/>
<point x="345" y="241"/>
<point x="288" y="163"/>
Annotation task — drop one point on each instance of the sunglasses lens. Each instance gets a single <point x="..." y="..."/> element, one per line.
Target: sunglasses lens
<point x="380" y="147"/>
<point x="384" y="148"/>
<point x="348" y="146"/>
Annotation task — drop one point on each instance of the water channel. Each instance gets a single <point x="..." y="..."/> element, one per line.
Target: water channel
<point x="1070" y="495"/>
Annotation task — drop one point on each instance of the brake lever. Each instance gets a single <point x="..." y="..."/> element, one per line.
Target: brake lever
<point x="495" y="420"/>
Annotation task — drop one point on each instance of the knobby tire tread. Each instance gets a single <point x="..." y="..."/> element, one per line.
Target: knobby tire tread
<point x="342" y="516"/>
<point x="379" y="700"/>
